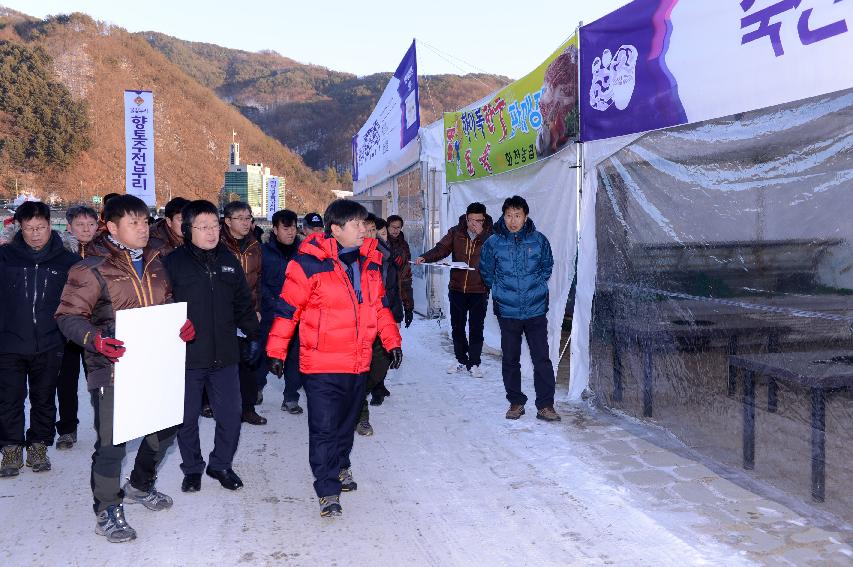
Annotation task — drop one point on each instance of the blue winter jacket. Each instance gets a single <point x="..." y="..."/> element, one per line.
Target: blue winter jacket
<point x="273" y="265"/>
<point x="517" y="267"/>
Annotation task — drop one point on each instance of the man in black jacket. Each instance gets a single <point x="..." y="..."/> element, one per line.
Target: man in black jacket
<point x="33" y="270"/>
<point x="211" y="281"/>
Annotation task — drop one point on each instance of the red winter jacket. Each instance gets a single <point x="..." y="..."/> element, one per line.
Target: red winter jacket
<point x="336" y="333"/>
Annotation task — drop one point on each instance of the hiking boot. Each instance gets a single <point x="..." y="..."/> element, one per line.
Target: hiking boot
<point x="37" y="457"/>
<point x="206" y="411"/>
<point x="66" y="441"/>
<point x="13" y="460"/>
<point x="347" y="482"/>
<point x="251" y="417"/>
<point x="515" y="411"/>
<point x="476" y="371"/>
<point x="330" y="506"/>
<point x="548" y="414"/>
<point x="111" y="523"/>
<point x="152" y="499"/>
<point x="456" y="368"/>
<point x="364" y="428"/>
<point x="293" y="408"/>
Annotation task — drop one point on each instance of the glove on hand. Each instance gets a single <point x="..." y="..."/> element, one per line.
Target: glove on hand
<point x="276" y="366"/>
<point x="399" y="261"/>
<point x="113" y="349"/>
<point x="409" y="315"/>
<point x="187" y="332"/>
<point x="396" y="358"/>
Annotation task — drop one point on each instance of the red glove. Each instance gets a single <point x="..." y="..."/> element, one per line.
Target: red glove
<point x="113" y="349"/>
<point x="187" y="331"/>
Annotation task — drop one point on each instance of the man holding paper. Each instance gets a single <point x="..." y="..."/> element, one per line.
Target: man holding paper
<point x="120" y="272"/>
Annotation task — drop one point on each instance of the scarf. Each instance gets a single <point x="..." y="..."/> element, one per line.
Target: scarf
<point x="135" y="253"/>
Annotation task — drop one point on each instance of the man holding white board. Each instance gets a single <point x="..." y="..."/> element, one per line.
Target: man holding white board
<point x="121" y="272"/>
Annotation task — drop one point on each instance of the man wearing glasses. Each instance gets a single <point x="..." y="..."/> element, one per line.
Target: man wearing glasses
<point x="237" y="237"/>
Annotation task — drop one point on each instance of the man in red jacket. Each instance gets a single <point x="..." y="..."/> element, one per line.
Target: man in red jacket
<point x="333" y="290"/>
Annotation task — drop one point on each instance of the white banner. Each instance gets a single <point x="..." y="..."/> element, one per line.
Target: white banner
<point x="139" y="145"/>
<point x="272" y="197"/>
<point x="149" y="378"/>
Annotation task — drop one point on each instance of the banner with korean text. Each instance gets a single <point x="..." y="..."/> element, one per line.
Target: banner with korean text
<point x="392" y="125"/>
<point x="272" y="197"/>
<point x="658" y="63"/>
<point x="528" y="120"/>
<point x="139" y="145"/>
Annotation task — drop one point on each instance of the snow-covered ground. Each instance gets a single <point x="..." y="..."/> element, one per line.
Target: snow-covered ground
<point x="446" y="480"/>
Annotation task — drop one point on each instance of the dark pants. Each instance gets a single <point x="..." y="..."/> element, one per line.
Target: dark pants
<point x="107" y="458"/>
<point x="223" y="387"/>
<point x="334" y="402"/>
<point x="248" y="372"/>
<point x="40" y="371"/>
<point x="379" y="365"/>
<point x="470" y="308"/>
<point x="292" y="376"/>
<point x="66" y="388"/>
<point x="535" y="331"/>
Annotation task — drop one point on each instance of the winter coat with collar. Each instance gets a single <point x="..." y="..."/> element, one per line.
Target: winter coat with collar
<point x="463" y="248"/>
<point x="274" y="263"/>
<point x="100" y="285"/>
<point x="248" y="253"/>
<point x="73" y="245"/>
<point x="218" y="302"/>
<point x="31" y="285"/>
<point x="162" y="238"/>
<point x="336" y="332"/>
<point x="390" y="278"/>
<point x="517" y="267"/>
<point x="401" y="255"/>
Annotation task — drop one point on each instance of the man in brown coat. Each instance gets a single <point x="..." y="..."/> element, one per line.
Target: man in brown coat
<point x="120" y="272"/>
<point x="166" y="233"/>
<point x="469" y="296"/>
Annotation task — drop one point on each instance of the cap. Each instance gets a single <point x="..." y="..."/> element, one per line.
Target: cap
<point x="314" y="220"/>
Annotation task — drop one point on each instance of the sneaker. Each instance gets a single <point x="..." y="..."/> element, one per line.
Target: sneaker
<point x="153" y="500"/>
<point x="456" y="368"/>
<point x="330" y="506"/>
<point x="37" y="457"/>
<point x="66" y="441"/>
<point x="347" y="482"/>
<point x="515" y="411"/>
<point x="548" y="414"/>
<point x="206" y="411"/>
<point x="13" y="460"/>
<point x="364" y="428"/>
<point x="476" y="372"/>
<point x="292" y="408"/>
<point x="111" y="523"/>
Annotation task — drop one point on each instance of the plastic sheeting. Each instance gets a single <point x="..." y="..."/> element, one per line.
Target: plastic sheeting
<point x="724" y="290"/>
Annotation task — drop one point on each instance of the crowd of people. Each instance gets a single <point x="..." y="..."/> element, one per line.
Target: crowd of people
<point x="320" y="308"/>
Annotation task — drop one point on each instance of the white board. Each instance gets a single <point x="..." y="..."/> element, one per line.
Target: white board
<point x="149" y="378"/>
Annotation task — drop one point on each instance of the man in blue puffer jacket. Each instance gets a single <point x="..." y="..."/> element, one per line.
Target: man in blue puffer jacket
<point x="516" y="263"/>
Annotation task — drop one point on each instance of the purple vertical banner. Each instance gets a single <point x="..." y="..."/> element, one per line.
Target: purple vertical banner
<point x="626" y="86"/>
<point x="407" y="74"/>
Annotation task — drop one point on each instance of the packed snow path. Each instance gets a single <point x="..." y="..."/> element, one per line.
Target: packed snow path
<point x="446" y="480"/>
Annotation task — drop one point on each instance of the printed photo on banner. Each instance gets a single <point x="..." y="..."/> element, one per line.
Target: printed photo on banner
<point x="528" y="120"/>
<point x="139" y="145"/>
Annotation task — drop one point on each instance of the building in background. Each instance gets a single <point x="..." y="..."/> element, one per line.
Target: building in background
<point x="248" y="182"/>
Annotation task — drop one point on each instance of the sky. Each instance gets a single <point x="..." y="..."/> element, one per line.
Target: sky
<point x="511" y="39"/>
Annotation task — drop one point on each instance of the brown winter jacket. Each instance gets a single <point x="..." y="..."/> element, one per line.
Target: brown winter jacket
<point x="250" y="258"/>
<point x="162" y="238"/>
<point x="97" y="287"/>
<point x="459" y="244"/>
<point x="401" y="255"/>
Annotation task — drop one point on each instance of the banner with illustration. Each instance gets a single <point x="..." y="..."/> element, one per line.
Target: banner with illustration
<point x="528" y="120"/>
<point x="658" y="63"/>
<point x="392" y="125"/>
<point x="139" y="145"/>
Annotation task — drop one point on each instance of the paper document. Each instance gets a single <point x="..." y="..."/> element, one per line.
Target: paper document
<point x="149" y="378"/>
<point x="451" y="265"/>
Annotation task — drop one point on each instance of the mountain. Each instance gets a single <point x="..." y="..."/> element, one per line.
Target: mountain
<point x="89" y="64"/>
<point x="310" y="109"/>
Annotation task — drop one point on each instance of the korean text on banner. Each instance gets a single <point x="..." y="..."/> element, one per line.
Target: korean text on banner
<point x="149" y="378"/>
<point x="272" y="197"/>
<point x="392" y="125"/>
<point x="658" y="63"/>
<point x="528" y="120"/>
<point x="139" y="144"/>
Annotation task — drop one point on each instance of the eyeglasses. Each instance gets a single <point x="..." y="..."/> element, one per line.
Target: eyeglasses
<point x="214" y="228"/>
<point x="35" y="229"/>
<point x="242" y="219"/>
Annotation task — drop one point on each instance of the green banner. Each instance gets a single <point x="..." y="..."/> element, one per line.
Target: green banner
<point x="528" y="120"/>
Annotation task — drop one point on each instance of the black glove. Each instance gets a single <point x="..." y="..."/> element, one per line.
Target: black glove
<point x="409" y="315"/>
<point x="396" y="358"/>
<point x="276" y="366"/>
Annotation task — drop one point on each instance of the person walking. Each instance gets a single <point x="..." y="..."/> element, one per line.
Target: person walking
<point x="516" y="264"/>
<point x="210" y="280"/>
<point x="121" y="272"/>
<point x="33" y="269"/>
<point x="402" y="254"/>
<point x="468" y="295"/>
<point x="333" y="290"/>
